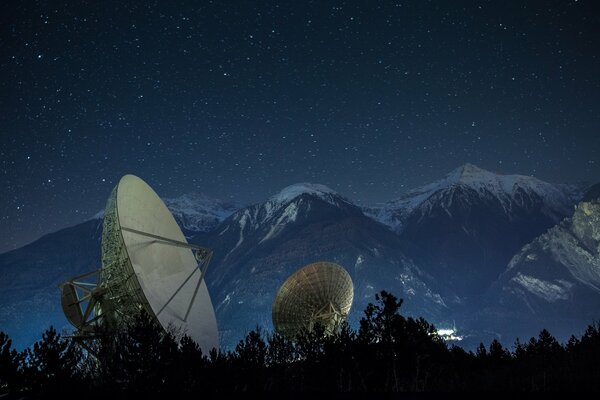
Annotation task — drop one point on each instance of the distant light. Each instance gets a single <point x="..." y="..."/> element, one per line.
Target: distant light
<point x="449" y="335"/>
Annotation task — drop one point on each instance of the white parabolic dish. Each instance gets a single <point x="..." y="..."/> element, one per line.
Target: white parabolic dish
<point x="161" y="268"/>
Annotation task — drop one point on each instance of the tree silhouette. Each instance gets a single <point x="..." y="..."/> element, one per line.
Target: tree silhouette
<point x="192" y="365"/>
<point x="281" y="355"/>
<point x="545" y="357"/>
<point x="405" y="347"/>
<point x="52" y="365"/>
<point x="390" y="352"/>
<point x="11" y="373"/>
<point x="250" y="358"/>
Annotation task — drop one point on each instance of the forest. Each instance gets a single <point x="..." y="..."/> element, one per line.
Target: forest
<point x="387" y="353"/>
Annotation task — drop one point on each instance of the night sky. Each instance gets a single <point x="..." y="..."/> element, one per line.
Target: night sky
<point x="238" y="100"/>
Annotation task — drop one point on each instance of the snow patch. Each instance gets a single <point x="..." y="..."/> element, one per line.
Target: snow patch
<point x="359" y="261"/>
<point x="549" y="291"/>
<point x="242" y="223"/>
<point x="435" y="297"/>
<point x="225" y="301"/>
<point x="289" y="215"/>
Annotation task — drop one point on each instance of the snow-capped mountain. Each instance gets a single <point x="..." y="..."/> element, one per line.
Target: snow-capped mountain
<point x="466" y="226"/>
<point x="267" y="220"/>
<point x="258" y="247"/>
<point x="511" y="191"/>
<point x="291" y="192"/>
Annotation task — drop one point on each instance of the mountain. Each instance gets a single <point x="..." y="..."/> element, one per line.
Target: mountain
<point x="509" y="191"/>
<point x="466" y="226"/>
<point x="554" y="280"/>
<point x="258" y="247"/>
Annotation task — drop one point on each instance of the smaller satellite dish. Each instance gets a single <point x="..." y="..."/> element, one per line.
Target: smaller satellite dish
<point x="321" y="292"/>
<point x="79" y="297"/>
<point x="70" y="305"/>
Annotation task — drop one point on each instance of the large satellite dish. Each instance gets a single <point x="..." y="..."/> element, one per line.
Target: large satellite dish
<point x="148" y="265"/>
<point x="321" y="293"/>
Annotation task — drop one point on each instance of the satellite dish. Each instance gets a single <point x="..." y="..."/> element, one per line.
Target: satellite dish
<point x="321" y="293"/>
<point x="148" y="265"/>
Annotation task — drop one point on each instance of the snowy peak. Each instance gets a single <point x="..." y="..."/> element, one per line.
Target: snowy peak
<point x="293" y="191"/>
<point x="293" y="204"/>
<point x="469" y="172"/>
<point x="200" y="204"/>
<point x="292" y="198"/>
<point x="509" y="191"/>
<point x="501" y="185"/>
<point x="477" y="178"/>
<point x="197" y="212"/>
<point x="480" y="179"/>
<point x="513" y="190"/>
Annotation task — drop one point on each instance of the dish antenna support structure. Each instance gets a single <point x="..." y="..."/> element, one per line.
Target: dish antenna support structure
<point x="147" y="264"/>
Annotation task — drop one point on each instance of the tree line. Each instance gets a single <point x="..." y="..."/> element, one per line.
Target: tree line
<point x="387" y="353"/>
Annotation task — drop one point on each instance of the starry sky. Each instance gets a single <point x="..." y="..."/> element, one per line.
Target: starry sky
<point x="240" y="99"/>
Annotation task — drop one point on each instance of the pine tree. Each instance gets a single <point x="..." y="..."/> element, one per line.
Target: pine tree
<point x="52" y="365"/>
<point x="192" y="365"/>
<point x="11" y="373"/>
<point x="250" y="356"/>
